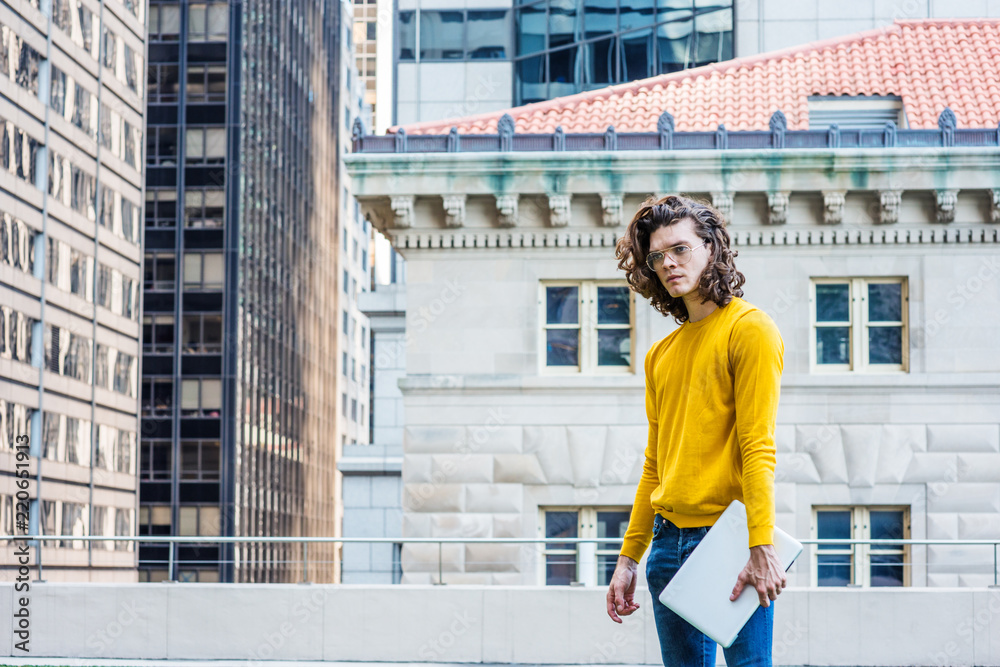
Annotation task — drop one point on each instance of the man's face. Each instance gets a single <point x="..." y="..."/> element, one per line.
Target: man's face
<point x="680" y="279"/>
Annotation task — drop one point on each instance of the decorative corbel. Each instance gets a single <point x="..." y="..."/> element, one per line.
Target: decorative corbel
<point x="946" y="201"/>
<point x="777" y="204"/>
<point x="612" y="205"/>
<point x="723" y="202"/>
<point x="833" y="206"/>
<point x="559" y="210"/>
<point x="889" y="201"/>
<point x="454" y="210"/>
<point x="507" y="210"/>
<point x="995" y="205"/>
<point x="402" y="210"/>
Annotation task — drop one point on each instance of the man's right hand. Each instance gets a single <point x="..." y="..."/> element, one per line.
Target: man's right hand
<point x="621" y="592"/>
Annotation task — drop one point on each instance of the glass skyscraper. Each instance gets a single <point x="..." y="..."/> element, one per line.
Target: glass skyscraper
<point x="241" y="315"/>
<point x="72" y="102"/>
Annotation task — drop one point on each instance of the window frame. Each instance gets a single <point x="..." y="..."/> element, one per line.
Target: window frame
<point x="859" y="324"/>
<point x="588" y="326"/>
<point x="861" y="553"/>
<point x="586" y="528"/>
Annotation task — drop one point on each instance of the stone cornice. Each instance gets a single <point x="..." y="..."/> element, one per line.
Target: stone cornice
<point x="497" y="238"/>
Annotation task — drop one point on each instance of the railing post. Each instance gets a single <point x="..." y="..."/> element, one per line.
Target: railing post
<point x="440" y="566"/>
<point x="995" y="563"/>
<point x="170" y="561"/>
<point x="305" y="562"/>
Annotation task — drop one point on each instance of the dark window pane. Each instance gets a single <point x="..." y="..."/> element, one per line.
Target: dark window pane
<point x="564" y="24"/>
<point x="560" y="570"/>
<point x="562" y="71"/>
<point x="635" y="14"/>
<point x="833" y="345"/>
<point x="407" y="36"/>
<point x="606" y="569"/>
<point x="886" y="525"/>
<point x="561" y="524"/>
<point x="611" y="524"/>
<point x="833" y="525"/>
<point x="675" y="42"/>
<point x="600" y="17"/>
<point x="833" y="570"/>
<point x="189" y="460"/>
<point x="562" y="347"/>
<point x="714" y="36"/>
<point x="833" y="303"/>
<point x="561" y="304"/>
<point x="612" y="305"/>
<point x="887" y="570"/>
<point x="885" y="345"/>
<point x="531" y="79"/>
<point x="487" y="34"/>
<point x="441" y="35"/>
<point x="531" y="29"/>
<point x="637" y="55"/>
<point x="600" y="62"/>
<point x="885" y="302"/>
<point x="613" y="347"/>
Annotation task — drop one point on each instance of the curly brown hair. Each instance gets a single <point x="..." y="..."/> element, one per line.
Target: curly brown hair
<point x="720" y="281"/>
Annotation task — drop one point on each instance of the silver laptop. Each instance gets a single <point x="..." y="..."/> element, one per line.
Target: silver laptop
<point x="699" y="592"/>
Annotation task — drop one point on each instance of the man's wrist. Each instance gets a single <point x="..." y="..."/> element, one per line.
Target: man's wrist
<point x="627" y="561"/>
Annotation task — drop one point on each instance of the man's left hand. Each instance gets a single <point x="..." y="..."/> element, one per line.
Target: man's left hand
<point x="764" y="573"/>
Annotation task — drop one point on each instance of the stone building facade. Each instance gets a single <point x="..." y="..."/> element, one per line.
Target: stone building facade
<point x="880" y="433"/>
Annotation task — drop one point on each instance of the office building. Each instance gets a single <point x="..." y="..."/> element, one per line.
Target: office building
<point x="241" y="396"/>
<point x="72" y="98"/>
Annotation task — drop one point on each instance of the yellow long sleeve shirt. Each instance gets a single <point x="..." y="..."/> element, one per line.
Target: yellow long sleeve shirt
<point x="712" y="389"/>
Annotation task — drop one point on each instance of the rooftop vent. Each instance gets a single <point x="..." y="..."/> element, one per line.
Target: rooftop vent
<point x="855" y="112"/>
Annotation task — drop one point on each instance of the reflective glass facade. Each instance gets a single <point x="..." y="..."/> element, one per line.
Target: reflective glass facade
<point x="564" y="47"/>
<point x="240" y="285"/>
<point x="71" y="178"/>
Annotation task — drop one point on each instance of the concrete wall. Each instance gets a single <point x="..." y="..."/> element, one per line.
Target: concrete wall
<point x="481" y="624"/>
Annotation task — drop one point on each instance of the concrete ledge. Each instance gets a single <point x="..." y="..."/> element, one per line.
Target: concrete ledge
<point x="476" y="624"/>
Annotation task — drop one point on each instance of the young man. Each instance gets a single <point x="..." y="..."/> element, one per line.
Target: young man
<point x="712" y="390"/>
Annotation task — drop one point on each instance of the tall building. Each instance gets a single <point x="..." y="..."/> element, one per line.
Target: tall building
<point x="240" y="393"/>
<point x="453" y="61"/>
<point x="373" y="39"/>
<point x="71" y="122"/>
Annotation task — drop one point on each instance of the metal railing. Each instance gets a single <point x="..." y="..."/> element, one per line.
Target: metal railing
<point x="173" y="541"/>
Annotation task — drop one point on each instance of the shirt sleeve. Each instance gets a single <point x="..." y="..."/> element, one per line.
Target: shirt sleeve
<point x="640" y="524"/>
<point x="757" y="357"/>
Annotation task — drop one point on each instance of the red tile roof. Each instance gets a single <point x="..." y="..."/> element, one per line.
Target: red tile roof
<point x="930" y="64"/>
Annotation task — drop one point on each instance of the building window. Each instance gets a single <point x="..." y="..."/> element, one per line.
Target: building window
<point x="201" y="397"/>
<point x="204" y="207"/>
<point x="208" y="22"/>
<point x="205" y="145"/>
<point x="564" y="47"/>
<point x="859" y="324"/>
<point x="200" y="460"/>
<point x="198" y="520"/>
<point x="164" y="22"/>
<point x="587" y="327"/>
<point x="158" y="333"/>
<point x="159" y="271"/>
<point x="18" y="61"/>
<point x="161" y="146"/>
<point x="155" y="458"/>
<point x="163" y="84"/>
<point x="202" y="333"/>
<point x="154" y="520"/>
<point x="203" y="271"/>
<point x="591" y="563"/>
<point x="157" y="397"/>
<point x="206" y="83"/>
<point x="861" y="564"/>
<point x="161" y="207"/>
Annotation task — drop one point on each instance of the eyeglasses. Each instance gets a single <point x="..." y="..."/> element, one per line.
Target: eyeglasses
<point x="680" y="253"/>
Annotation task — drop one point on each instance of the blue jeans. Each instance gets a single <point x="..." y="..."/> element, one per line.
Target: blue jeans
<point x="681" y="644"/>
